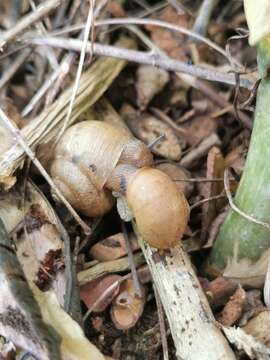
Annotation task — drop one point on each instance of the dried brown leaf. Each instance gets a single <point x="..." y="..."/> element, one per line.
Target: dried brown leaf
<point x="148" y="128"/>
<point x="170" y="42"/>
<point x="234" y="308"/>
<point x="150" y="81"/>
<point x="259" y="327"/>
<point x="113" y="247"/>
<point x="95" y="290"/>
<point x="177" y="173"/>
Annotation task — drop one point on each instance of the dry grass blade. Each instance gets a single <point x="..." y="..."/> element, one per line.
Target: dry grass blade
<point x="94" y="82"/>
<point x="30" y="19"/>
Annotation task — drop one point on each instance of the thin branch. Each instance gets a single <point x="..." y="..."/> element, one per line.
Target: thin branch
<point x="203" y="201"/>
<point x="88" y="28"/>
<point x="137" y="287"/>
<point x="42" y="90"/>
<point x="28" y="20"/>
<point x="236" y="209"/>
<point x="13" y="67"/>
<point x="165" y="25"/>
<point x="158" y="23"/>
<point x="17" y="135"/>
<point x="150" y="58"/>
<point x="201" y="23"/>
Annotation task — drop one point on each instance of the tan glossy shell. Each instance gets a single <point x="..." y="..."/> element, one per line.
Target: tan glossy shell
<point x="95" y="147"/>
<point x="79" y="190"/>
<point x="160" y="209"/>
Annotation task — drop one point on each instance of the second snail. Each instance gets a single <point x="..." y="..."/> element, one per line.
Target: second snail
<point x="94" y="160"/>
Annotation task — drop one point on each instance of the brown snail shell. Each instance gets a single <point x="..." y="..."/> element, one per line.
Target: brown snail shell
<point x="159" y="208"/>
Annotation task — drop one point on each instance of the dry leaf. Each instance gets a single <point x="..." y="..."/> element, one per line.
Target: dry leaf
<point x="218" y="291"/>
<point x="234" y="308"/>
<point x="39" y="250"/>
<point x="74" y="345"/>
<point x="150" y="81"/>
<point x="20" y="315"/>
<point x="127" y="307"/>
<point x="148" y="128"/>
<point x="171" y="43"/>
<point x="257" y="14"/>
<point x="177" y="172"/>
<point x="259" y="327"/>
<point x="97" y="290"/>
<point x="113" y="247"/>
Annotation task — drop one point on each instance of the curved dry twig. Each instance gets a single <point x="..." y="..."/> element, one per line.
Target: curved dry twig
<point x="235" y="208"/>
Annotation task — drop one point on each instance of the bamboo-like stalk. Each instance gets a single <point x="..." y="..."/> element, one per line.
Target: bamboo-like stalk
<point x="242" y="248"/>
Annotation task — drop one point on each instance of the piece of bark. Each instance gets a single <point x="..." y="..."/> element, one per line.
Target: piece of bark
<point x="243" y="341"/>
<point x="183" y="299"/>
<point x="234" y="308"/>
<point x="218" y="291"/>
<point x="259" y="327"/>
<point x="215" y="169"/>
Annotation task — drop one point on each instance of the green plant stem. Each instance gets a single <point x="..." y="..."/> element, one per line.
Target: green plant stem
<point x="242" y="247"/>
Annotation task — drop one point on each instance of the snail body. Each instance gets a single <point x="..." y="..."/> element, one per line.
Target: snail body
<point x="94" y="159"/>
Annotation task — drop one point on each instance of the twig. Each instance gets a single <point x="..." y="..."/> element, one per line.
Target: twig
<point x="200" y="150"/>
<point x="137" y="287"/>
<point x="88" y="27"/>
<point x="52" y="59"/>
<point x="43" y="89"/>
<point x="13" y="67"/>
<point x="143" y="58"/>
<point x="165" y="25"/>
<point x="235" y="208"/>
<point x="42" y="10"/>
<point x="203" y="201"/>
<point x="17" y="135"/>
<point x="155" y="141"/>
<point x="164" y="117"/>
<point x="162" y="325"/>
<point x="105" y="293"/>
<point x="201" y="23"/>
<point x="202" y="180"/>
<point x="194" y="81"/>
<point x="65" y="66"/>
<point x="162" y="24"/>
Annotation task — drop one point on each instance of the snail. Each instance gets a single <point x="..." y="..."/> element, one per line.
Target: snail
<point x="94" y="160"/>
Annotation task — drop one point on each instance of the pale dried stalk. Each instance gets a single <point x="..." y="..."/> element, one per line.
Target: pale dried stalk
<point x="193" y="327"/>
<point x="108" y="267"/>
<point x="94" y="82"/>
